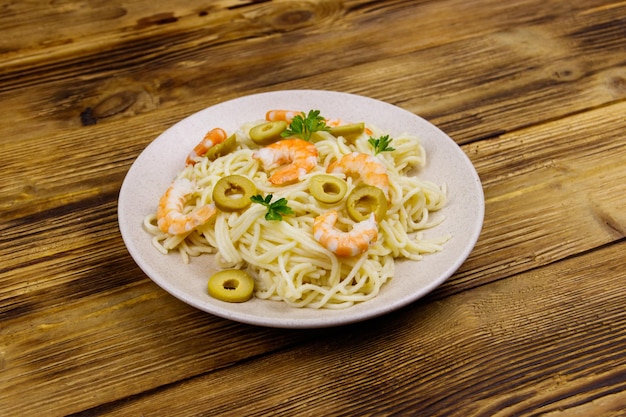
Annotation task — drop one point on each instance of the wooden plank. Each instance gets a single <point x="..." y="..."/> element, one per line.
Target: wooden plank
<point x="36" y="31"/>
<point x="92" y="338"/>
<point x="37" y="34"/>
<point x="133" y="108"/>
<point x="548" y="357"/>
<point x="537" y="180"/>
<point x="170" y="69"/>
<point x="87" y="298"/>
<point x="81" y="296"/>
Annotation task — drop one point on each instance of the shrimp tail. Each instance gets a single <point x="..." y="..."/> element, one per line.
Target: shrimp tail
<point x="212" y="138"/>
<point x="282" y="115"/>
<point x="364" y="166"/>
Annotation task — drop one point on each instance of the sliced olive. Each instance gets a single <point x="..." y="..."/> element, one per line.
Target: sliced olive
<point x="268" y="132"/>
<point x="346" y="131"/>
<point x="320" y="135"/>
<point x="233" y="193"/>
<point x="222" y="149"/>
<point x="364" y="200"/>
<point x="327" y="189"/>
<point x="231" y="285"/>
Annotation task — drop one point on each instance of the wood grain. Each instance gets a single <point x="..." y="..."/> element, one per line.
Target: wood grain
<point x="488" y="52"/>
<point x="84" y="302"/>
<point x="532" y="324"/>
<point x="145" y="101"/>
<point x="533" y="353"/>
<point x="538" y="180"/>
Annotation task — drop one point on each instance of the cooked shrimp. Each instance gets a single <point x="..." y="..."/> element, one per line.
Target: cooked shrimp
<point x="282" y="115"/>
<point x="351" y="243"/>
<point x="295" y="158"/>
<point x="212" y="138"/>
<point x="170" y="217"/>
<point x="366" y="166"/>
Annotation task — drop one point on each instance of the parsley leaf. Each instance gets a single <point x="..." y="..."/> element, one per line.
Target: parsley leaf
<point x="381" y="144"/>
<point x="303" y="127"/>
<point x="275" y="210"/>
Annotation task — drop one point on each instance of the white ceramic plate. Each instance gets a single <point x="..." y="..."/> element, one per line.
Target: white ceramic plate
<point x="158" y="164"/>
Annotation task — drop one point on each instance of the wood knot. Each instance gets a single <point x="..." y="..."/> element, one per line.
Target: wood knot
<point x="566" y="74"/>
<point x="157" y="19"/>
<point x="293" y="18"/>
<point x="114" y="104"/>
<point x="617" y="84"/>
<point x="87" y="118"/>
<point x="567" y="71"/>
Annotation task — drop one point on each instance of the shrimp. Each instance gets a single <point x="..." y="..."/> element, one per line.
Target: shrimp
<point x="170" y="217"/>
<point x="296" y="157"/>
<point x="366" y="166"/>
<point x="212" y="138"/>
<point x="351" y="243"/>
<point x="282" y="115"/>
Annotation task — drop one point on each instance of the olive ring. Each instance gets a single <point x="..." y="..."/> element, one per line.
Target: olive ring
<point x="365" y="200"/>
<point x="233" y="193"/>
<point x="231" y="285"/>
<point x="327" y="188"/>
<point x="268" y="132"/>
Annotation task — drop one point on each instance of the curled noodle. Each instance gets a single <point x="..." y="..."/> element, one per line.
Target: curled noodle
<point x="288" y="264"/>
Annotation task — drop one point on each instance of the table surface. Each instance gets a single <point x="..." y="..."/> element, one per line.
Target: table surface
<point x="533" y="323"/>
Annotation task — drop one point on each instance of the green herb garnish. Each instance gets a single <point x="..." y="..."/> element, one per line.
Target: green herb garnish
<point x="381" y="144"/>
<point x="275" y="210"/>
<point x="303" y="127"/>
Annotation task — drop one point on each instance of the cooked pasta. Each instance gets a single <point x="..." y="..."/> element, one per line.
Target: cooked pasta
<point x="286" y="260"/>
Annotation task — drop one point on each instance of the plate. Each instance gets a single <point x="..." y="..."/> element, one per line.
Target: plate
<point x="156" y="167"/>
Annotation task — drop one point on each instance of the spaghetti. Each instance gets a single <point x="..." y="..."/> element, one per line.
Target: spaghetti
<point x="286" y="261"/>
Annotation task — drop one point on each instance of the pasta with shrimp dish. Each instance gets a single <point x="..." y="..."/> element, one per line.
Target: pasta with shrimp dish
<point x="313" y="212"/>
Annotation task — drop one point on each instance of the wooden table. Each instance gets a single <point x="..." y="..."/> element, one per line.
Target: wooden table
<point x="533" y="323"/>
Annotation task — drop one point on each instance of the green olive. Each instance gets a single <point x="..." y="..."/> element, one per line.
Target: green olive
<point x="268" y="132"/>
<point x="346" y="131"/>
<point x="231" y="285"/>
<point x="222" y="149"/>
<point x="364" y="200"/>
<point x="327" y="189"/>
<point x="320" y="135"/>
<point x="233" y="193"/>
